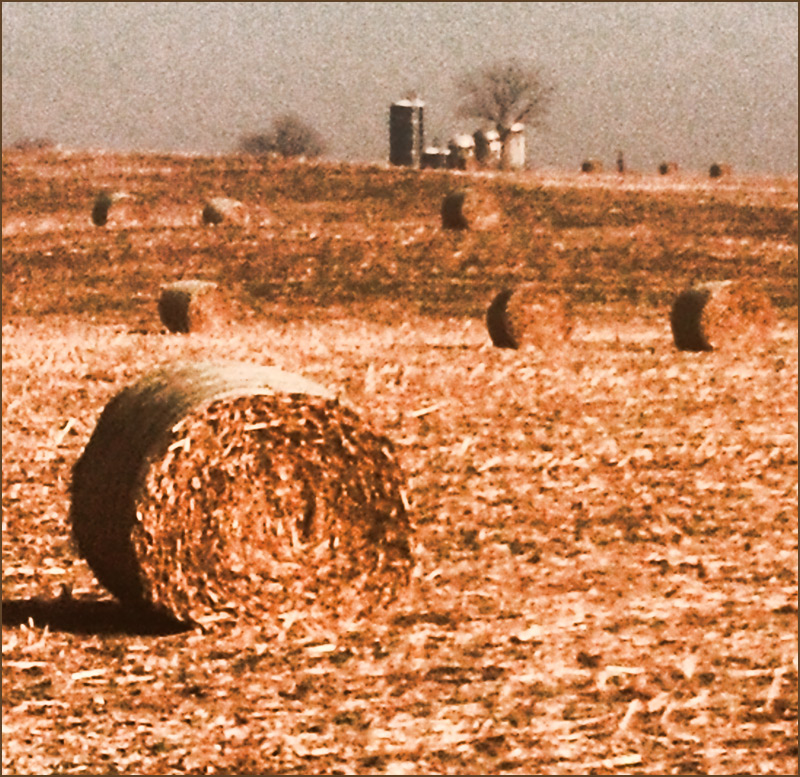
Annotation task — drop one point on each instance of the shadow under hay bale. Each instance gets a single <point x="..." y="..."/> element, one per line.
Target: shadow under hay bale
<point x="216" y="486"/>
<point x="190" y="306"/>
<point x="528" y="315"/>
<point x="223" y="209"/>
<point x="721" y="313"/>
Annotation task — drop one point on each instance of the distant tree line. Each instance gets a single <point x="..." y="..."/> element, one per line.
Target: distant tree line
<point x="288" y="136"/>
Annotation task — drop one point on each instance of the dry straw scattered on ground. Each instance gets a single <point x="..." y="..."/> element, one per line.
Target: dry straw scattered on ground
<point x="604" y="544"/>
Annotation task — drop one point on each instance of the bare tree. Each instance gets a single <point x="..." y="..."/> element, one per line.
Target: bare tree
<point x="289" y="136"/>
<point x="504" y="93"/>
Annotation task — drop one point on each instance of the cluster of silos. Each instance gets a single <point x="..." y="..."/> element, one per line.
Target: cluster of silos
<point x="464" y="152"/>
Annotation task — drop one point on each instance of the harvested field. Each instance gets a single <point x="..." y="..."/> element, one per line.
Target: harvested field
<point x="604" y="536"/>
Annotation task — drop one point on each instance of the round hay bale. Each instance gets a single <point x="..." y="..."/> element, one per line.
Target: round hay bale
<point x="102" y="205"/>
<point x="227" y="486"/>
<point x="528" y="315"/>
<point x="717" y="170"/>
<point x="190" y="306"/>
<point x="453" y="210"/>
<point x="665" y="168"/>
<point x="592" y="166"/>
<point x="219" y="209"/>
<point x="720" y="313"/>
<point x="483" y="210"/>
<point x="497" y="321"/>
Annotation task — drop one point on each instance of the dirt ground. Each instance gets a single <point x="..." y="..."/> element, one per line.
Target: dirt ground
<point x="605" y="529"/>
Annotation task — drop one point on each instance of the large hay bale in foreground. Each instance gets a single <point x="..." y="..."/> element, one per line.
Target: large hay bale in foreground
<point x="219" y="209"/>
<point x="209" y="486"/>
<point x="720" y="313"/>
<point x="528" y="315"/>
<point x="190" y="306"/>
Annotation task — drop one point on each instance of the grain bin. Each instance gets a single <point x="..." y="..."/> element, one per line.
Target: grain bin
<point x="406" y="133"/>
<point x="219" y="486"/>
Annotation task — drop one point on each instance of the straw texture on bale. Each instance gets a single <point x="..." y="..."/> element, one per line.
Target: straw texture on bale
<point x="719" y="314"/>
<point x="224" y="209"/>
<point x="190" y="306"/>
<point x="528" y="315"/>
<point x="209" y="487"/>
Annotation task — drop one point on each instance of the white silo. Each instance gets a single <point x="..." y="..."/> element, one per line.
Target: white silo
<point x="514" y="148"/>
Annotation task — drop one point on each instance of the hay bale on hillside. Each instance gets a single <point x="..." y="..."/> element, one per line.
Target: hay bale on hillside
<point x="592" y="166"/>
<point x="219" y="209"/>
<point x="453" y="210"/>
<point x="528" y="315"/>
<point x="190" y="306"/>
<point x="470" y="209"/>
<point x="215" y="486"/>
<point x="102" y="205"/>
<point x="717" y="170"/>
<point x="666" y="168"/>
<point x="721" y="313"/>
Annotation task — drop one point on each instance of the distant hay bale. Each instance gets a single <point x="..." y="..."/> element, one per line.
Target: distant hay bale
<point x="719" y="314"/>
<point x="717" y="170"/>
<point x="528" y="315"/>
<point x="217" y="486"/>
<point x="470" y="209"/>
<point x="665" y="168"/>
<point x="453" y="210"/>
<point x="223" y="209"/>
<point x="592" y="166"/>
<point x="102" y="205"/>
<point x="190" y="306"/>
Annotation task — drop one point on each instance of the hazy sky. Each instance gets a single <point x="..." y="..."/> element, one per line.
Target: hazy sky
<point x="689" y="82"/>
